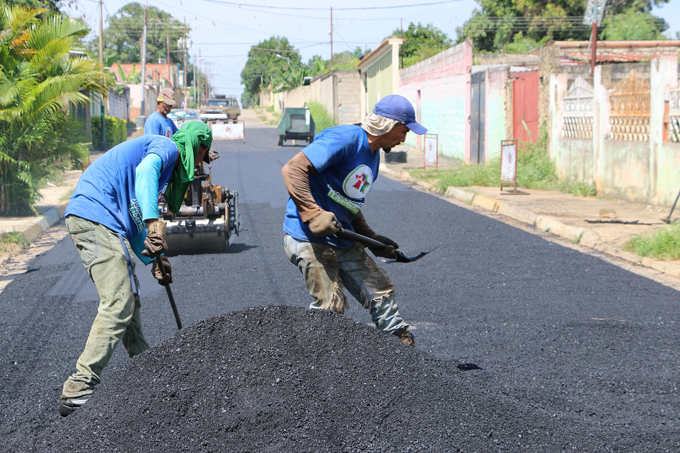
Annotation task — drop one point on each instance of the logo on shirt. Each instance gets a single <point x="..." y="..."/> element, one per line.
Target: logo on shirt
<point x="352" y="206"/>
<point x="136" y="213"/>
<point x="359" y="182"/>
<point x="168" y="132"/>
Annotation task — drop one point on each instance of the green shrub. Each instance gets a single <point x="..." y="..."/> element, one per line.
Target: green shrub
<point x="322" y="119"/>
<point x="582" y="190"/>
<point x="116" y="131"/>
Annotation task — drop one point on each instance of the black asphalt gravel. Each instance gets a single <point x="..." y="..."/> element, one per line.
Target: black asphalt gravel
<point x="575" y="354"/>
<point x="289" y="379"/>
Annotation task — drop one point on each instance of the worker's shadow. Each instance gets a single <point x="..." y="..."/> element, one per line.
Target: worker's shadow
<point x="239" y="248"/>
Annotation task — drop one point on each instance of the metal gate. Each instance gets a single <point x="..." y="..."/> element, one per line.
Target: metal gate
<point x="525" y="107"/>
<point x="477" y="114"/>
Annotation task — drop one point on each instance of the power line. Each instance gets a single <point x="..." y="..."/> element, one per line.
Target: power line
<point x="324" y="18"/>
<point x="239" y="5"/>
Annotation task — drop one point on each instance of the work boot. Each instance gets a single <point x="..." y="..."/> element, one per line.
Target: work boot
<point x="406" y="337"/>
<point x="69" y="405"/>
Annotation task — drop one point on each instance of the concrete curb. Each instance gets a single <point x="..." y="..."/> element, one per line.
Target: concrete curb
<point x="32" y="228"/>
<point x="584" y="236"/>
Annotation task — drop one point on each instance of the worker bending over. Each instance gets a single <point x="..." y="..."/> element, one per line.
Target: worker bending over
<point x="113" y="213"/>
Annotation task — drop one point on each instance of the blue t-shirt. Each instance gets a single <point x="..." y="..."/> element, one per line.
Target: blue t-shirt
<point x="346" y="170"/>
<point x="105" y="192"/>
<point x="157" y="124"/>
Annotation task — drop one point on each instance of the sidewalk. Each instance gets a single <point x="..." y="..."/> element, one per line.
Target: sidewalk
<point x="50" y="207"/>
<point x="562" y="215"/>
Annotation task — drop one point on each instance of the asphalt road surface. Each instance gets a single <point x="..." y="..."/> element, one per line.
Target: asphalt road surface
<point x="555" y="333"/>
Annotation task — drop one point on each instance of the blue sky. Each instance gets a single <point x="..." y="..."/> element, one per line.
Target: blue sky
<point x="224" y="31"/>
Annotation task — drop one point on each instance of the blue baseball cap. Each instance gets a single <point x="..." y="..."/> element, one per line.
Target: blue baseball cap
<point x="399" y="108"/>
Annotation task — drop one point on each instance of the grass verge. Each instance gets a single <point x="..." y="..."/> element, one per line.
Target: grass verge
<point x="661" y="244"/>
<point x="12" y="242"/>
<point x="322" y="119"/>
<point x="67" y="196"/>
<point x="535" y="170"/>
<point x="276" y="120"/>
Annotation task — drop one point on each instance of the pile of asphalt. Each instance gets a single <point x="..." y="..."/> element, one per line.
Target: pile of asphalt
<point x="289" y="379"/>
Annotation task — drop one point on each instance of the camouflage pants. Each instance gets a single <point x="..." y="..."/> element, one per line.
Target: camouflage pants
<point x="327" y="270"/>
<point x="118" y="316"/>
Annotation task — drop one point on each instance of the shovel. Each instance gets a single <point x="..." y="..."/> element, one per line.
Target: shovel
<point x="399" y="255"/>
<point x="668" y="219"/>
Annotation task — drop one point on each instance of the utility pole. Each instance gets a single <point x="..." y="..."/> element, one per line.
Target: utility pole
<point x="199" y="77"/>
<point x="167" y="39"/>
<point x="331" y="38"/>
<point x="593" y="45"/>
<point x="102" y="111"/>
<point x="142" y="114"/>
<point x="401" y="47"/>
<point x="186" y="47"/>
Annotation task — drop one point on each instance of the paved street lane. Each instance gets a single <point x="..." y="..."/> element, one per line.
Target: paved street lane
<point x="557" y="331"/>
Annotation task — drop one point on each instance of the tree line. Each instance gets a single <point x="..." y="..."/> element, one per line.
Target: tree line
<point x="45" y="75"/>
<point x="499" y="26"/>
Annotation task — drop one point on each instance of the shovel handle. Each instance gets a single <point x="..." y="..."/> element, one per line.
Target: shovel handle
<point x="361" y="238"/>
<point x="172" y="299"/>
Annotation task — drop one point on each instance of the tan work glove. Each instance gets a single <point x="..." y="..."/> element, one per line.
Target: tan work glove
<point x="155" y="241"/>
<point x="323" y="224"/>
<point x="384" y="252"/>
<point x="164" y="279"/>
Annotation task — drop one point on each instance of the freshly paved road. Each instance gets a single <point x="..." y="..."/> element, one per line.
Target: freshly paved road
<point x="554" y="330"/>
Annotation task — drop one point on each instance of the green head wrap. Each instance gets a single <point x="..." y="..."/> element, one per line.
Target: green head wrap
<point x="188" y="138"/>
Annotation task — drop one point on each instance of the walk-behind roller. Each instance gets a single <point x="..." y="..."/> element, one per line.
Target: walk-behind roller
<point x="207" y="220"/>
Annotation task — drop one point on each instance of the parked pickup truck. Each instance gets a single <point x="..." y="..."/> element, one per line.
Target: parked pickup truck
<point x="221" y="108"/>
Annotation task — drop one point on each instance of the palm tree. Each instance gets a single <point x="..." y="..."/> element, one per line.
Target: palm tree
<point x="43" y="71"/>
<point x="290" y="78"/>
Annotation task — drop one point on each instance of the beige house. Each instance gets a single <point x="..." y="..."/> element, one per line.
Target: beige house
<point x="380" y="73"/>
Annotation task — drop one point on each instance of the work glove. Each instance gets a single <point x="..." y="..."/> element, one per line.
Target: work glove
<point x="323" y="224"/>
<point x="384" y="252"/>
<point x="164" y="279"/>
<point x="155" y="241"/>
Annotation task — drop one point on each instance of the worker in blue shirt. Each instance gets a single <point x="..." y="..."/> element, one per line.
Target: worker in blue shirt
<point x="158" y="122"/>
<point x="327" y="183"/>
<point x="113" y="213"/>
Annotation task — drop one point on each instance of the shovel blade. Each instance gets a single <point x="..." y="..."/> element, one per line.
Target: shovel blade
<point x="401" y="258"/>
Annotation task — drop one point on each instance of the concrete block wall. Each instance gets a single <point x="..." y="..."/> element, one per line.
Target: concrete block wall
<point x="348" y="105"/>
<point x="118" y="105"/>
<point x="338" y="91"/>
<point x="642" y="172"/>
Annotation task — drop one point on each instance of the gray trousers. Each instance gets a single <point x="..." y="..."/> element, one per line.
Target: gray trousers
<point x="118" y="316"/>
<point x="327" y="270"/>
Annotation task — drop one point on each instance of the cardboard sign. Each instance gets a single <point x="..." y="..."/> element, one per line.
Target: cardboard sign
<point x="431" y="151"/>
<point x="232" y="130"/>
<point x="509" y="161"/>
